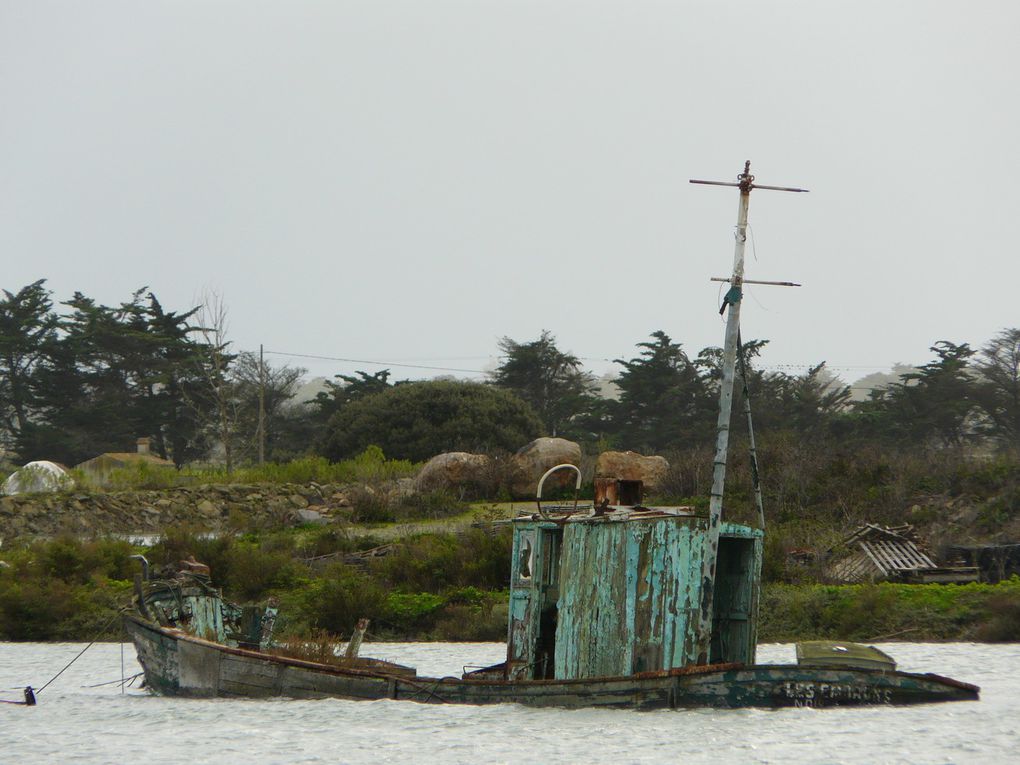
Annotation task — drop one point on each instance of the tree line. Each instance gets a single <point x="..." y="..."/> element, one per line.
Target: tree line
<point x="91" y="378"/>
<point x="84" y="378"/>
<point x="667" y="399"/>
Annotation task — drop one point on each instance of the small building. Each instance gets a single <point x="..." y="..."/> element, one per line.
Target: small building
<point x="618" y="591"/>
<point x="995" y="562"/>
<point x="874" y="553"/>
<point x="99" y="468"/>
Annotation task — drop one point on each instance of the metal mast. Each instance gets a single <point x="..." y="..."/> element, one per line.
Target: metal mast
<point x="745" y="182"/>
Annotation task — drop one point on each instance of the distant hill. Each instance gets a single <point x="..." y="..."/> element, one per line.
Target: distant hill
<point x="860" y="390"/>
<point x="308" y="390"/>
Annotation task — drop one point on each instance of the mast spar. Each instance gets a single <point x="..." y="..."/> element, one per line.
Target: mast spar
<point x="745" y="182"/>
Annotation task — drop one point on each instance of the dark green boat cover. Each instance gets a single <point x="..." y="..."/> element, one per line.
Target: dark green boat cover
<point x="834" y="653"/>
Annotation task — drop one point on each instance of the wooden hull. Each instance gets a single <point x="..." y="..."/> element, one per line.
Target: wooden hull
<point x="178" y="664"/>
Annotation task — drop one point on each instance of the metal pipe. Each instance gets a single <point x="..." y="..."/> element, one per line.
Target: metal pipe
<point x="145" y="565"/>
<point x="549" y="472"/>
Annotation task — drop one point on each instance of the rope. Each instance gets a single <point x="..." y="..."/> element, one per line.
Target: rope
<point x="422" y="688"/>
<point x="755" y="474"/>
<point x="83" y="650"/>
<point x="126" y="681"/>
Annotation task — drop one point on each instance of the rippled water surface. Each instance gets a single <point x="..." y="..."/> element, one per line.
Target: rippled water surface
<point x="77" y="723"/>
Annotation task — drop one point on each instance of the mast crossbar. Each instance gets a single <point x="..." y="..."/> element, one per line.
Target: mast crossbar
<point x="754" y="281"/>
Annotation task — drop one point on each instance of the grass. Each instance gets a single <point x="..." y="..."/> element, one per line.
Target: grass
<point x="870" y="612"/>
<point x="369" y="467"/>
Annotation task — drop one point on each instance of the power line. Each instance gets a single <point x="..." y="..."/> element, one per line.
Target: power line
<point x="375" y="363"/>
<point x="405" y="365"/>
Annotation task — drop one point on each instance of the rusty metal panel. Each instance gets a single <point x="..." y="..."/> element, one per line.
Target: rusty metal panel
<point x="617" y="491"/>
<point x="606" y="492"/>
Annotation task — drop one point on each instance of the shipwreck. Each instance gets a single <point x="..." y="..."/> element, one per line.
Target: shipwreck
<point x="613" y="605"/>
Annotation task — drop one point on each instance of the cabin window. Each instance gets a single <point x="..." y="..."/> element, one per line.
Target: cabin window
<point x="630" y="492"/>
<point x="525" y="556"/>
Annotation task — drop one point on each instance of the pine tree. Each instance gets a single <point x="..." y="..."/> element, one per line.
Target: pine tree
<point x="665" y="401"/>
<point x="551" y="381"/>
<point x="27" y="331"/>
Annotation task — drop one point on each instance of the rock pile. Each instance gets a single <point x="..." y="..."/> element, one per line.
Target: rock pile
<point x="209" y="507"/>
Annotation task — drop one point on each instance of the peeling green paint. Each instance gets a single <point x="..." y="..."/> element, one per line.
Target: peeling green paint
<point x="628" y="593"/>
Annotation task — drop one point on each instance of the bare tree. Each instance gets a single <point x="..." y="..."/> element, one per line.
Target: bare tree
<point x="256" y="380"/>
<point x="218" y="392"/>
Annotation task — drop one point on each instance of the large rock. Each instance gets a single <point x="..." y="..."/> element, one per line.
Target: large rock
<point x="531" y="461"/>
<point x="454" y="470"/>
<point x="631" y="466"/>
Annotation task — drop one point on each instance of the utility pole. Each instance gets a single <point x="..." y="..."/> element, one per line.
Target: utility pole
<point x="745" y="182"/>
<point x="262" y="408"/>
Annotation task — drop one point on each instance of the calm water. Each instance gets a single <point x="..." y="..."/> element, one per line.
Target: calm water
<point x="76" y="723"/>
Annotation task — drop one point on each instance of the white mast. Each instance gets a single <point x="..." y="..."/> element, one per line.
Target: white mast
<point x="745" y="182"/>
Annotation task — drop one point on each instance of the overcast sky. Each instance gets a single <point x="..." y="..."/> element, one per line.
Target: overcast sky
<point x="411" y="181"/>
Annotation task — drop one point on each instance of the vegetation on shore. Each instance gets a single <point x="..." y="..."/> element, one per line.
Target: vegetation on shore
<point x="450" y="583"/>
<point x="886" y="611"/>
<point x="443" y="586"/>
<point x="939" y="448"/>
<point x="368" y="467"/>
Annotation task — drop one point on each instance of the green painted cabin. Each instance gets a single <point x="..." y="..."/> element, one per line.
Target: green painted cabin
<point x="616" y="593"/>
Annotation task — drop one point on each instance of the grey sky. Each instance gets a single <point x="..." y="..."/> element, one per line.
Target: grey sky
<point x="410" y="181"/>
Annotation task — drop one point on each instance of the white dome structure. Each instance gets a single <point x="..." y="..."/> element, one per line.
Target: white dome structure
<point x="41" y="475"/>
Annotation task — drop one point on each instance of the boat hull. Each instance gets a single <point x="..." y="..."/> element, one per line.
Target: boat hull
<point x="178" y="664"/>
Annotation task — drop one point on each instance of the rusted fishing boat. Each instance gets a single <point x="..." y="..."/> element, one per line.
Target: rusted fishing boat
<point x="602" y="611"/>
<point x="613" y="605"/>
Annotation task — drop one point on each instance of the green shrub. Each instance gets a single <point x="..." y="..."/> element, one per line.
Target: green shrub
<point x="417" y="420"/>
<point x="436" y="562"/>
<point x="341" y="597"/>
<point x="410" y="613"/>
<point x="371" y="507"/>
<point x="324" y="540"/>
<point x="253" y="570"/>
<point x="36" y="609"/>
<point x="179" y="542"/>
<point x="887" y="610"/>
<point x="370" y="466"/>
<point x="462" y="623"/>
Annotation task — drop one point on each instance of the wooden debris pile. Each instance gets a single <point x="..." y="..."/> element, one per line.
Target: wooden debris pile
<point x="893" y="553"/>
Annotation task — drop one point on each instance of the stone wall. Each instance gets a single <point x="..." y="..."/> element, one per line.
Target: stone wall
<point x="209" y="508"/>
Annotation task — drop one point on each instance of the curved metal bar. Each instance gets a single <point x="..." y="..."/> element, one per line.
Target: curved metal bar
<point x="549" y="472"/>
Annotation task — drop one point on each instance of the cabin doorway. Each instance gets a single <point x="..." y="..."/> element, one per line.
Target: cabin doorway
<point x="733" y="602"/>
<point x="549" y="593"/>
